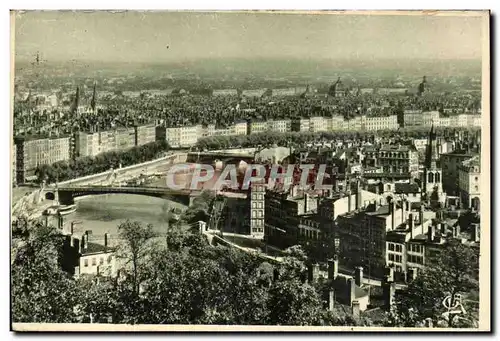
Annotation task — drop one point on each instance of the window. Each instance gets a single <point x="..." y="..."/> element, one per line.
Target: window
<point x="398" y="248"/>
<point x="85" y="262"/>
<point x="94" y="261"/>
<point x="110" y="258"/>
<point x="391" y="246"/>
<point x="391" y="257"/>
<point x="101" y="261"/>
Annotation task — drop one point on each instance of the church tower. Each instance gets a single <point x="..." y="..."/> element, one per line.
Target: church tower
<point x="433" y="175"/>
<point x="422" y="87"/>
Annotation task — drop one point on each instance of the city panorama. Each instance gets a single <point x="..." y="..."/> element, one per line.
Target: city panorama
<point x="249" y="169"/>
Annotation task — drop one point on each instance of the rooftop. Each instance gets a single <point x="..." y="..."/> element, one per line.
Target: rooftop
<point x="401" y="187"/>
<point x="95" y="248"/>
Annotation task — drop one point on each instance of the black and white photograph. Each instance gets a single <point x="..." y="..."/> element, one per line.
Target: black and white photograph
<point x="251" y="170"/>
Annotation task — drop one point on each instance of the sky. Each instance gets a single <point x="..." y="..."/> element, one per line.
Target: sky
<point x="178" y="36"/>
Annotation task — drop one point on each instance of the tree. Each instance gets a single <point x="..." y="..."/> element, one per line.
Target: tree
<point x="136" y="242"/>
<point x="41" y="291"/>
<point x="293" y="303"/>
<point x="454" y="272"/>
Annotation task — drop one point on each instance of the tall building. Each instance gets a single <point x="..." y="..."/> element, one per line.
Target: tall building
<point x="450" y="163"/>
<point x="469" y="182"/>
<point x="432" y="175"/>
<point x="257" y="200"/>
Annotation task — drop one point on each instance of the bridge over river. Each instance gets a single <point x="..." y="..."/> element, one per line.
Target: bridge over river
<point x="66" y="195"/>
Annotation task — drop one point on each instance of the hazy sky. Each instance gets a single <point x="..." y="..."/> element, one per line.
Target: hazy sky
<point x="144" y="36"/>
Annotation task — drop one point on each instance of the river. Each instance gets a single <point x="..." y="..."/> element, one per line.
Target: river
<point x="103" y="213"/>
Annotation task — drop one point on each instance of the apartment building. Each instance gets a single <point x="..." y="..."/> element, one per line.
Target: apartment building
<point x="450" y="163"/>
<point x="31" y="153"/>
<point x="380" y="123"/>
<point x="281" y="126"/>
<point x="145" y="134"/>
<point x="178" y="137"/>
<point x="469" y="182"/>
<point x="397" y="159"/>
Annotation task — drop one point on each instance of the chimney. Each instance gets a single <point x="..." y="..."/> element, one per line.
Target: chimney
<point x="83" y="243"/>
<point x="358" y="196"/>
<point x="388" y="292"/>
<point x="392" y="208"/>
<point x="476" y="232"/>
<point x="411" y="224"/>
<point x="106" y="239"/>
<point x="403" y="211"/>
<point x="306" y="199"/>
<point x="431" y="233"/>
<point x="351" y="290"/>
<point x="356" y="311"/>
<point x="442" y="227"/>
<point x="333" y="268"/>
<point x="331" y="300"/>
<point x="349" y="204"/>
<point x="358" y="276"/>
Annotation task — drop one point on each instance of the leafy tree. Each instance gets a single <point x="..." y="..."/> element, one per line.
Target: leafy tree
<point x="293" y="303"/>
<point x="136" y="245"/>
<point x="454" y="272"/>
<point x="41" y="291"/>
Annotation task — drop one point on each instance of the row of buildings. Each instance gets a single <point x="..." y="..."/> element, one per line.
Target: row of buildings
<point x="187" y="136"/>
<point x="33" y="151"/>
<point x="418" y="118"/>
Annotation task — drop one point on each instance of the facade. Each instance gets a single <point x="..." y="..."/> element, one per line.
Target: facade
<point x="469" y="182"/>
<point x="95" y="258"/>
<point x="283" y="211"/>
<point x="125" y="138"/>
<point x="257" y="210"/>
<point x="380" y="123"/>
<point x="258" y="127"/>
<point x="145" y="134"/>
<point x="240" y="128"/>
<point x="36" y="152"/>
<point x="362" y="234"/>
<point x="281" y="126"/>
<point x="450" y="163"/>
<point x="397" y="159"/>
<point x="87" y="144"/>
<point x="184" y="136"/>
<point x="94" y="143"/>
